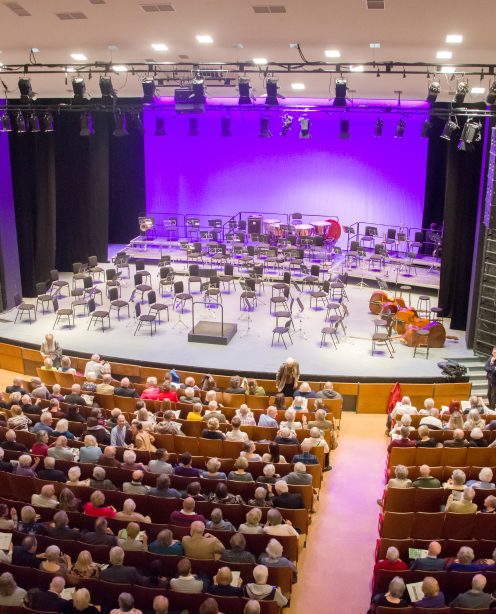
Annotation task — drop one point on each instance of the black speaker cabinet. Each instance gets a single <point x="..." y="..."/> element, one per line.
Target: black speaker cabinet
<point x="254" y="225"/>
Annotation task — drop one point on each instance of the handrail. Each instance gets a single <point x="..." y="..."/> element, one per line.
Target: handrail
<point x="209" y="303"/>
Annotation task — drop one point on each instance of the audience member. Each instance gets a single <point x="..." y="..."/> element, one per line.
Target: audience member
<point x="101" y="536"/>
<point x="160" y="464"/>
<point x="129" y="513"/>
<point x="431" y="562"/>
<point x="392" y="562"/>
<point x="239" y="474"/>
<point x="10" y="593"/>
<point x="96" y="506"/>
<point x="393" y="598"/>
<point x="46" y="498"/>
<point x="252" y="524"/>
<point x="260" y="590"/>
<point x="475" y="598"/>
<point x="186" y="582"/>
<point x="99" y="480"/>
<point x="217" y="521"/>
<point x="237" y="553"/>
<point x="401" y="479"/>
<point x="186" y="516"/>
<point x="50" y="600"/>
<point x="285" y="499"/>
<point x="118" y="572"/>
<point x="166" y="544"/>
<point x="465" y="505"/>
<point x="162" y="488"/>
<point x="425" y="480"/>
<point x="185" y="467"/>
<point x="276" y="526"/>
<point x="433" y="597"/>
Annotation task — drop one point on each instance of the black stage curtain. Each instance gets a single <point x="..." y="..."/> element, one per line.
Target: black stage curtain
<point x="33" y="178"/>
<point x="453" y="179"/>
<point x="66" y="187"/>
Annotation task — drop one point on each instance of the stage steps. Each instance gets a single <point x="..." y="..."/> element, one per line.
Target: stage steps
<point x="476" y="374"/>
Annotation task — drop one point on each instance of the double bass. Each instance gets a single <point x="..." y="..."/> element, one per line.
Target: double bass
<point x="380" y="302"/>
<point x="408" y="322"/>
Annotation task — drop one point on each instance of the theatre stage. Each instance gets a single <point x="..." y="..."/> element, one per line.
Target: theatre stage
<point x="250" y="352"/>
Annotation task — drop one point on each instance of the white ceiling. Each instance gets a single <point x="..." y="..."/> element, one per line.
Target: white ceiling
<point x="408" y="30"/>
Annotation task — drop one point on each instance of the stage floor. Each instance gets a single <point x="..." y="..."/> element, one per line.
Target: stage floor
<point x="249" y="350"/>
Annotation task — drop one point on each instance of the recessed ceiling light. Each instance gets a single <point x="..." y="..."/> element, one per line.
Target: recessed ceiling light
<point x="79" y="57"/>
<point x="454" y="39"/>
<point x="70" y="69"/>
<point x="1" y="64"/>
<point x="478" y="90"/>
<point x="375" y="45"/>
<point x="119" y="68"/>
<point x="444" y="55"/>
<point x="260" y="61"/>
<point x="449" y="70"/>
<point x="35" y="49"/>
<point x="333" y="53"/>
<point x="358" y="68"/>
<point x="204" y="39"/>
<point x="298" y="86"/>
<point x="160" y="47"/>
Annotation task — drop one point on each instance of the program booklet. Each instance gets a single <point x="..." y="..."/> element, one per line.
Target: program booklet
<point x="415" y="591"/>
<point x="417" y="553"/>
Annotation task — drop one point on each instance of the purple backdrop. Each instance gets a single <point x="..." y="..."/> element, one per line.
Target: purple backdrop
<point x="364" y="178"/>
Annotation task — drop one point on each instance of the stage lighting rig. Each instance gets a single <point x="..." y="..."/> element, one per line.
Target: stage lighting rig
<point x="120" y="124"/>
<point x="379" y="125"/>
<point x="47" y="122"/>
<point x="86" y="125"/>
<point x="304" y="128"/>
<point x="26" y="91"/>
<point x="79" y="89"/>
<point x="34" y="123"/>
<point x="160" y="127"/>
<point x="426" y="129"/>
<point x="149" y="91"/>
<point x="193" y="126"/>
<point x="5" y="123"/>
<point x="344" y="129"/>
<point x="470" y="135"/>
<point x="225" y="126"/>
<point x="450" y="126"/>
<point x="20" y="122"/>
<point x="287" y="121"/>
<point x="491" y="94"/>
<point x="400" y="129"/>
<point x="462" y="90"/>
<point x="245" y="95"/>
<point x="265" y="127"/>
<point x="341" y="91"/>
<point x="272" y="88"/>
<point x="107" y="89"/>
<point x="433" y="92"/>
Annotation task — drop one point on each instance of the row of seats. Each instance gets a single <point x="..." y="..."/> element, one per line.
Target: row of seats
<point x="434" y="457"/>
<point x="443" y="473"/>
<point x="483" y="548"/>
<point x="424" y="499"/>
<point x="432" y="525"/>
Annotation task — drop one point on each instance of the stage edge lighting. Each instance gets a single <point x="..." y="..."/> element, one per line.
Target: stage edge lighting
<point x="344" y="129"/>
<point x="287" y="121"/>
<point x="86" y="125"/>
<point x="471" y="134"/>
<point x="400" y="129"/>
<point x="244" y="87"/>
<point x="434" y="91"/>
<point x="450" y="126"/>
<point x="160" y="127"/>
<point x="304" y="128"/>
<point x="379" y="125"/>
<point x="265" y="128"/>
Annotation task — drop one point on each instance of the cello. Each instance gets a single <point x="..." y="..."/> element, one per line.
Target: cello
<point x="380" y="301"/>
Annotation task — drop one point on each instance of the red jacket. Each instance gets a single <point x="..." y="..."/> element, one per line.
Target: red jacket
<point x="401" y="443"/>
<point x="152" y="394"/>
<point x="385" y="564"/>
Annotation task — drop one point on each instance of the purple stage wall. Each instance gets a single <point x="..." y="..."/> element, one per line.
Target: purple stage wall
<point x="365" y="178"/>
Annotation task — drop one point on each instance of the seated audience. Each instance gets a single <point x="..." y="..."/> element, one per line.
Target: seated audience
<point x="235" y="386"/>
<point x="99" y="480"/>
<point x="475" y="598"/>
<point x="213" y="473"/>
<point x="8" y="518"/>
<point x="59" y="528"/>
<point x="433" y="597"/>
<point x="74" y="475"/>
<point x="98" y="431"/>
<point x="401" y="479"/>
<point x="392" y="562"/>
<point x="306" y="457"/>
<point x="160" y="464"/>
<point x="50" y="600"/>
<point x="402" y="408"/>
<point x="254" y="388"/>
<point x="5" y="465"/>
<point x="81" y="603"/>
<point x="240" y="473"/>
<point x="45" y="424"/>
<point x="136" y="486"/>
<point x="425" y="441"/>
<point x="245" y="415"/>
<point x="185" y="467"/>
<point x="162" y="488"/>
<point x="276" y="526"/>
<point x="96" y="506"/>
<point x="262" y="498"/>
<point x="18" y="421"/>
<point x="260" y="590"/>
<point x="252" y="524"/>
<point x="474" y="420"/>
<point x="68" y="501"/>
<point x="129" y="462"/>
<point x="269" y="475"/>
<point x="10" y="593"/>
<point x="55" y="562"/>
<point x="101" y="536"/>
<point x="28" y="522"/>
<point x="10" y="442"/>
<point x="46" y="498"/>
<point x="130" y="538"/>
<point x="320" y="421"/>
<point x="404" y="441"/>
<point x="212" y="431"/>
<point x="201" y="545"/>
<point x="129" y="513"/>
<point x="286" y="437"/>
<point x="484" y="481"/>
<point x="25" y="554"/>
<point x="152" y="391"/>
<point x="394" y="596"/>
<point x="75" y="397"/>
<point x="166" y="544"/>
<point x="237" y="553"/>
<point x="118" y="572"/>
<point x="273" y="557"/>
<point x="61" y="451"/>
<point x="476" y="439"/>
<point x="40" y="447"/>
<point x="90" y="452"/>
<point x="217" y="521"/>
<point x="249" y="452"/>
<point x="431" y="562"/>
<point x="186" y="516"/>
<point x="186" y="582"/>
<point x="465" y="505"/>
<point x="74" y="415"/>
<point x="456" y="484"/>
<point x="432" y="420"/>
<point x="285" y="499"/>
<point x="489" y="505"/>
<point x="273" y="455"/>
<point x="108" y="459"/>
<point x="222" y="584"/>
<point x="269" y="418"/>
<point x="425" y="480"/>
<point x="25" y="468"/>
<point x="235" y="434"/>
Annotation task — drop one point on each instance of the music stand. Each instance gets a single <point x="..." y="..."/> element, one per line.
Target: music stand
<point x="362" y="283"/>
<point x="300" y="318"/>
<point x="348" y="230"/>
<point x="247" y="316"/>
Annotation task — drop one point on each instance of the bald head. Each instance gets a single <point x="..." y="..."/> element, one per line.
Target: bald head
<point x="189" y="504"/>
<point x="160" y="605"/>
<point x="57" y="585"/>
<point x="479" y="582"/>
<point x="434" y="549"/>
<point x="424" y="471"/>
<point x="224" y="576"/>
<point x="197" y="528"/>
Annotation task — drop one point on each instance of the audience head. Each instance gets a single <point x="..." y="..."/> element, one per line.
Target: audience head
<point x="184" y="567"/>
<point x="423" y="431"/>
<point x="81" y="598"/>
<point x="126" y="602"/>
<point x="468" y="494"/>
<point x="485" y="474"/>
<point x="274" y="517"/>
<point x="254" y="516"/>
<point x="28" y="514"/>
<point x="160" y="605"/>
<point x="281" y="487"/>
<point x="397" y="587"/>
<point x="424" y="471"/>
<point x="241" y="463"/>
<point x="458" y="476"/>
<point x="274" y="549"/>
<point x="189" y="504"/>
<point x="74" y="474"/>
<point x="476" y="433"/>
<point x="57" y="585"/>
<point x="99" y="473"/>
<point x="479" y="582"/>
<point x="197" y="528"/>
<point x="430" y="587"/>
<point x="116" y="556"/>
<point x="209" y="606"/>
<point x="434" y="549"/>
<point x="465" y="555"/>
<point x="128" y="506"/>
<point x="163" y="482"/>
<point x="97" y="498"/>
<point x="260" y="574"/>
<point x="185" y="459"/>
<point x="129" y="457"/>
<point x="238" y="542"/>
<point x="165" y="537"/>
<point x="7" y="584"/>
<point x="252" y="607"/>
<point x="269" y="470"/>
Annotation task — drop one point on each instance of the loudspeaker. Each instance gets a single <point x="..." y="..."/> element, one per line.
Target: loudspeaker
<point x="254" y="225"/>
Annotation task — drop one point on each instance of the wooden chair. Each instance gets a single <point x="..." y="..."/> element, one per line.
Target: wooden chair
<point x="459" y="526"/>
<point x="399" y="499"/>
<point x="403" y="545"/>
<point x="210" y="447"/>
<point x="429" y="499"/>
<point x="428" y="525"/>
<point x="397" y="525"/>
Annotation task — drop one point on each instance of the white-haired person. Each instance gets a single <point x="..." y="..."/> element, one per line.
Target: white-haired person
<point x="456" y="483"/>
<point x="391" y="562"/>
<point x="405" y="420"/>
<point x="152" y="390"/>
<point x="403" y="407"/>
<point x="465" y="505"/>
<point x="245" y="415"/>
<point x="252" y="523"/>
<point x="432" y="420"/>
<point x="26" y="466"/>
<point x="74" y="477"/>
<point x="10" y="593"/>
<point x="213" y="470"/>
<point x="476" y="438"/>
<point x="425" y="440"/>
<point x="274" y="557"/>
<point x="475" y="598"/>
<point x="276" y="526"/>
<point x="290" y="421"/>
<point x="260" y="590"/>
<point x="62" y="428"/>
<point x="269" y="476"/>
<point x="474" y="420"/>
<point x="50" y="348"/>
<point x="90" y="452"/>
<point x="429" y="404"/>
<point x="317" y="440"/>
<point x="126" y="605"/>
<point x="81" y="603"/>
<point x="18" y="421"/>
<point x="485" y="479"/>
<point x="287" y="377"/>
<point x="129" y="513"/>
<point x="393" y="597"/>
<point x="46" y="498"/>
<point x="55" y="562"/>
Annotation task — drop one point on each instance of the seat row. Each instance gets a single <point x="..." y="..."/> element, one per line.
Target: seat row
<point x="434" y="457"/>
<point x="424" y="499"/>
<point x="106" y="594"/>
<point x="483" y="548"/>
<point x="434" y="525"/>
<point x="443" y="473"/>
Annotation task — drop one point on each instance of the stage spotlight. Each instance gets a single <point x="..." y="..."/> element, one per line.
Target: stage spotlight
<point x="20" y="122"/>
<point x="120" y="124"/>
<point x="225" y="126"/>
<point x="341" y="90"/>
<point x="244" y="87"/>
<point x="470" y="135"/>
<point x="199" y="91"/>
<point x="344" y="129"/>
<point x="26" y="91"/>
<point x="287" y="120"/>
<point x="491" y="94"/>
<point x="137" y="122"/>
<point x="265" y="127"/>
<point x="193" y="126"/>
<point x="47" y="122"/>
<point x="379" y="124"/>
<point x="5" y="123"/>
<point x="34" y="122"/>
<point x="79" y="89"/>
<point x="450" y="126"/>
<point x="434" y="90"/>
<point x="149" y="91"/>
<point x="86" y="125"/>
<point x="271" y="87"/>
<point x="304" y="128"/>
<point x="160" y="127"/>
<point x="426" y="129"/>
<point x="461" y="92"/>
<point x="107" y="90"/>
<point x="400" y="129"/>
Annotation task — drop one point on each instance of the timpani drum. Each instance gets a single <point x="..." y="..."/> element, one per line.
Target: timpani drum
<point x="321" y="227"/>
<point x="269" y="226"/>
<point x="304" y="230"/>
<point x="278" y="230"/>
